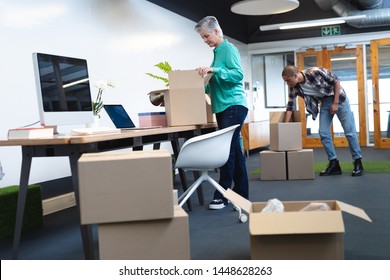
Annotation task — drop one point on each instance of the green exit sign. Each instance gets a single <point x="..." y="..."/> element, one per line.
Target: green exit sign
<point x="330" y="30"/>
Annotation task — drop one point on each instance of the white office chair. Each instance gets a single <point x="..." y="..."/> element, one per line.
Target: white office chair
<point x="205" y="153"/>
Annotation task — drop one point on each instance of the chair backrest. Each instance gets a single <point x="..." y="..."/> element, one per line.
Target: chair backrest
<point x="206" y="151"/>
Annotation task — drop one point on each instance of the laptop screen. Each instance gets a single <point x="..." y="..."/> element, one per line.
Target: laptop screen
<point x="119" y="116"/>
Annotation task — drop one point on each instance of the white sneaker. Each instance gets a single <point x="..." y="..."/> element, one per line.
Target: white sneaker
<point x="216" y="204"/>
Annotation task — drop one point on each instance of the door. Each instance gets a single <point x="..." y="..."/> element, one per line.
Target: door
<point x="347" y="64"/>
<point x="380" y="84"/>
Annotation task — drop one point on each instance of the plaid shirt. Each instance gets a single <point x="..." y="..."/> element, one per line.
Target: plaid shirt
<point x="323" y="81"/>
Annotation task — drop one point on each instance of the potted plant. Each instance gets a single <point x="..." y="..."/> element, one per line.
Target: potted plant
<point x="157" y="96"/>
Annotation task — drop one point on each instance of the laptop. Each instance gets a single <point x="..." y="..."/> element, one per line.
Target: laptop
<point x="121" y="119"/>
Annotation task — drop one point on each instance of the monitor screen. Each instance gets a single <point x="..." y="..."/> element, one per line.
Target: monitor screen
<point x="64" y="94"/>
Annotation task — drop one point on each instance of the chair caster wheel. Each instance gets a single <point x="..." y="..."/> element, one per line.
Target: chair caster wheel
<point x="243" y="218"/>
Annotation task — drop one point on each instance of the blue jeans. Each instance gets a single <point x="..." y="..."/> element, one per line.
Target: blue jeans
<point x="234" y="169"/>
<point x="345" y="115"/>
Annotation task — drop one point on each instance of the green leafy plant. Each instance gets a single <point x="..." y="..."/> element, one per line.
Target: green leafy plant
<point x="166" y="68"/>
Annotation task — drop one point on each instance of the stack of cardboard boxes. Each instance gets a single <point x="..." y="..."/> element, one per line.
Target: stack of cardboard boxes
<point x="286" y="160"/>
<point x="130" y="197"/>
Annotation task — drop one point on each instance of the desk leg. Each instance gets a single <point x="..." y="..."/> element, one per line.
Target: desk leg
<point x="24" y="177"/>
<point x="86" y="230"/>
<point x="388" y="125"/>
<point x="183" y="179"/>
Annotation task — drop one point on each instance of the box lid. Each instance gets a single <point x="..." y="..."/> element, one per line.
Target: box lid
<point x="240" y="201"/>
<point x="183" y="79"/>
<point x="353" y="210"/>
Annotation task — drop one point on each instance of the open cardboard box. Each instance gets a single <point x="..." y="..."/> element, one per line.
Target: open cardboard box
<point x="185" y="101"/>
<point x="295" y="234"/>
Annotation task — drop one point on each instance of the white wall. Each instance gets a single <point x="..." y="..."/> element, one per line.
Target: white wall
<point x="121" y="40"/>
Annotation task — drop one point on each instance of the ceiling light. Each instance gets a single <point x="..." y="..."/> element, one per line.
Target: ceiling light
<point x="264" y="7"/>
<point x="75" y="83"/>
<point x="343" y="58"/>
<point x="311" y="23"/>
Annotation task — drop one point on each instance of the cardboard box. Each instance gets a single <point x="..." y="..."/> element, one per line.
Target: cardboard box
<point x="285" y="136"/>
<point x="185" y="101"/>
<point x="255" y="134"/>
<point x="128" y="186"/>
<point x="148" y="119"/>
<point x="211" y="118"/>
<point x="294" y="234"/>
<point x="273" y="165"/>
<point x="300" y="164"/>
<point x="175" y="197"/>
<point x="166" y="239"/>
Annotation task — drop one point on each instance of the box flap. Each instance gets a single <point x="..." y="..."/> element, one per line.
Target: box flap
<point x="296" y="116"/>
<point x="276" y="117"/>
<point x="296" y="223"/>
<point x="185" y="79"/>
<point x="207" y="78"/>
<point x="358" y="212"/>
<point x="237" y="199"/>
<point x="208" y="100"/>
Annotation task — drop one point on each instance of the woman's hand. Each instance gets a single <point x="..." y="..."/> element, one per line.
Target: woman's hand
<point x="204" y="70"/>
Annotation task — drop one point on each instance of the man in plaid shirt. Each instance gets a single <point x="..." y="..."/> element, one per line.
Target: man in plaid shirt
<point x="324" y="95"/>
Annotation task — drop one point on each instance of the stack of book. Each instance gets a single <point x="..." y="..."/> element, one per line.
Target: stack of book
<point x="30" y="132"/>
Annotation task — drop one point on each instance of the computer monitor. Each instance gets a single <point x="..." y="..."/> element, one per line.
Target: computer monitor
<point x="63" y="90"/>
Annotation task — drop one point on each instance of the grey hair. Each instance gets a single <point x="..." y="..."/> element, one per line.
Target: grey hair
<point x="209" y="23"/>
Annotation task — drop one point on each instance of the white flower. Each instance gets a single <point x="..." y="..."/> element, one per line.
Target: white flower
<point x="102" y="85"/>
<point x="98" y="104"/>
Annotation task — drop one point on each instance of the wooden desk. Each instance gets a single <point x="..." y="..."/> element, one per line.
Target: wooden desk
<point x="74" y="146"/>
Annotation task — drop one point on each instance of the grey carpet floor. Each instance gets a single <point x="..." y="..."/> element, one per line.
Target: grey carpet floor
<point x="218" y="234"/>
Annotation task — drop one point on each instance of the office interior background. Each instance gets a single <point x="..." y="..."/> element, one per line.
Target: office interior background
<point x="124" y="39"/>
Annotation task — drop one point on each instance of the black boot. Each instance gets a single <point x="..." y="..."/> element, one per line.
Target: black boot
<point x="357" y="167"/>
<point x="332" y="169"/>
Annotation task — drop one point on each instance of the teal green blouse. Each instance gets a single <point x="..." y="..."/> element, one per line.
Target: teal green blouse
<point x="225" y="86"/>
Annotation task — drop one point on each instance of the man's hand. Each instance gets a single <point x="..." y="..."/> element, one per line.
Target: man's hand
<point x="334" y="108"/>
<point x="287" y="116"/>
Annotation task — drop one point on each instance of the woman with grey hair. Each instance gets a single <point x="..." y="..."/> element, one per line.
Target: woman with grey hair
<point x="228" y="102"/>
